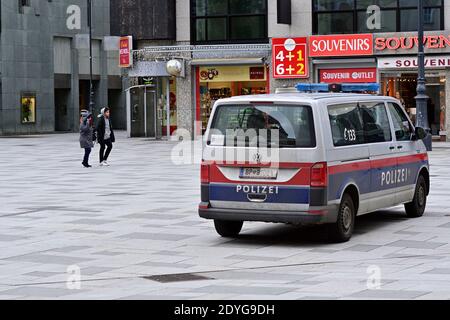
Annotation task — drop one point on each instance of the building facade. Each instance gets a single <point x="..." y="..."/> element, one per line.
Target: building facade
<point x="44" y="65"/>
<point x="225" y="49"/>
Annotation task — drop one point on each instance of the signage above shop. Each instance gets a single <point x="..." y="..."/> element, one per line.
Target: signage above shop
<point x="341" y="45"/>
<point x="348" y="75"/>
<point x="290" y="58"/>
<point x="408" y="43"/>
<point x="232" y="73"/>
<point x="125" y="52"/>
<point x="437" y="62"/>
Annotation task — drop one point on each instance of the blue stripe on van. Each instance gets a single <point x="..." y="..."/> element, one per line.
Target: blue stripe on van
<point x="371" y="180"/>
<point x="292" y="195"/>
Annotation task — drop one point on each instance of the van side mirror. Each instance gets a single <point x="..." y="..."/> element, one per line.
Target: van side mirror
<point x="420" y="133"/>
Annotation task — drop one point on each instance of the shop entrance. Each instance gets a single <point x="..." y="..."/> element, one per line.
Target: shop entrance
<point x="141" y="112"/>
<point x="404" y="85"/>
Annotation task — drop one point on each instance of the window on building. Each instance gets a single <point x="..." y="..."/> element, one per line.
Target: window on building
<point x="23" y="3"/>
<point x="229" y="21"/>
<point x="374" y="16"/>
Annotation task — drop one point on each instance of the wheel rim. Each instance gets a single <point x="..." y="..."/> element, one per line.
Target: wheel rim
<point x="421" y="196"/>
<point x="347" y="217"/>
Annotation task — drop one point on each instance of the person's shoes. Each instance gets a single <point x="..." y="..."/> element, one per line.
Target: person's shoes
<point x="106" y="164"/>
<point x="86" y="165"/>
<point x="101" y="164"/>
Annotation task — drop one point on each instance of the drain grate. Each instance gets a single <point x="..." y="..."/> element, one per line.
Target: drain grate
<point x="181" y="277"/>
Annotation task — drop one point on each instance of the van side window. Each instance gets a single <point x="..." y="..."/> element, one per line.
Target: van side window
<point x="346" y="126"/>
<point x="376" y="122"/>
<point x="402" y="126"/>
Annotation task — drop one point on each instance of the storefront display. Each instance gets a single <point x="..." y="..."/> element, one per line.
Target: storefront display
<point x="220" y="82"/>
<point x="28" y="108"/>
<point x="403" y="86"/>
<point x="173" y="107"/>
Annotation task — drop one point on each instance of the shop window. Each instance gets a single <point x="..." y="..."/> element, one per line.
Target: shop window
<point x="220" y="82"/>
<point x="28" y="108"/>
<point x="229" y="21"/>
<point x="403" y="86"/>
<point x="374" y="16"/>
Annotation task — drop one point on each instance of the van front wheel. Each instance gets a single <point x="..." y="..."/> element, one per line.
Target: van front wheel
<point x="342" y="230"/>
<point x="228" y="229"/>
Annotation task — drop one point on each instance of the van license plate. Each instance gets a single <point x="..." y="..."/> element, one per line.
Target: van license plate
<point x="258" y="173"/>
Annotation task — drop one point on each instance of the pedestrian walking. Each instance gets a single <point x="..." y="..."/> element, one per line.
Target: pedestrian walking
<point x="105" y="135"/>
<point x="86" y="136"/>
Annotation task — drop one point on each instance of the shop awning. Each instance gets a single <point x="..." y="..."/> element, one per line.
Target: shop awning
<point x="227" y="62"/>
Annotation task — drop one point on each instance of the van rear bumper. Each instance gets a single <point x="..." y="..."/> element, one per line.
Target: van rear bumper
<point x="316" y="216"/>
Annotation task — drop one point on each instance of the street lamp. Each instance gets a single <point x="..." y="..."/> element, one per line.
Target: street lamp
<point x="422" y="98"/>
<point x="91" y="83"/>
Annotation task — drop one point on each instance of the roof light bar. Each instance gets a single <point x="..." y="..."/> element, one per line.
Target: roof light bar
<point x="312" y="87"/>
<point x="345" y="87"/>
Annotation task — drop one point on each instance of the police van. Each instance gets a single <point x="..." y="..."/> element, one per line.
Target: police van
<point x="311" y="157"/>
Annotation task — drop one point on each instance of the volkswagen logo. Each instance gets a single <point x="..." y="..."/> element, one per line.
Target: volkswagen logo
<point x="257" y="158"/>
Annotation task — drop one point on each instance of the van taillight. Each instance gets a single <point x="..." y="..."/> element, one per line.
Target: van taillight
<point x="319" y="175"/>
<point x="205" y="174"/>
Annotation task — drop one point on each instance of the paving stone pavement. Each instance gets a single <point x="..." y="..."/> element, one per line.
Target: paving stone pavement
<point x="138" y="218"/>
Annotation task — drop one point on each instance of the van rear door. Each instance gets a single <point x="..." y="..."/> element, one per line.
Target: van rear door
<point x="260" y="156"/>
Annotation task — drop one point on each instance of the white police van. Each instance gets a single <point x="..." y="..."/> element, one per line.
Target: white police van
<point x="311" y="158"/>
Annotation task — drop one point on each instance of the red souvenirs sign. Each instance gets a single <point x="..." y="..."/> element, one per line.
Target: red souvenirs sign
<point x="125" y="52"/>
<point x="341" y="45"/>
<point x="290" y="58"/>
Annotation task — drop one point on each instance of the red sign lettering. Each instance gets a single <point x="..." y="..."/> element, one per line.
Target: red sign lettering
<point x="125" y="54"/>
<point x="341" y="45"/>
<point x="350" y="75"/>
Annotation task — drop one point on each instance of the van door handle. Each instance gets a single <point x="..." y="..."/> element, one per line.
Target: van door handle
<point x="400" y="147"/>
<point x="391" y="148"/>
<point x="257" y="197"/>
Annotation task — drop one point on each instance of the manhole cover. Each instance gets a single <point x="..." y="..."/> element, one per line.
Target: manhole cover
<point x="166" y="278"/>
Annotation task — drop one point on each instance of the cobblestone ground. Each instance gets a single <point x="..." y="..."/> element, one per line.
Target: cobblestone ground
<point x="138" y="218"/>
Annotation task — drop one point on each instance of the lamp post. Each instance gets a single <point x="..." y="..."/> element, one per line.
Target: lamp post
<point x="91" y="83"/>
<point x="422" y="98"/>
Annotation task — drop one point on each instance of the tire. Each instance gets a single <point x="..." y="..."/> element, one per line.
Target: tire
<point x="342" y="230"/>
<point x="228" y="229"/>
<point x="416" y="208"/>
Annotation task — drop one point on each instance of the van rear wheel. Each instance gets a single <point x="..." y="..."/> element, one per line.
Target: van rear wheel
<point x="228" y="229"/>
<point x="416" y="208"/>
<point x="342" y="230"/>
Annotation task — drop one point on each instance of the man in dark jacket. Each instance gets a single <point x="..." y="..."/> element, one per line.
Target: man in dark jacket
<point x="86" y="136"/>
<point x="105" y="135"/>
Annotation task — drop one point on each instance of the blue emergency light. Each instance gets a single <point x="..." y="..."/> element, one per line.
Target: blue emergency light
<point x="344" y="87"/>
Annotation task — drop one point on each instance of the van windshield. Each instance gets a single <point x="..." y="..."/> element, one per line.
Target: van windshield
<point x="272" y="126"/>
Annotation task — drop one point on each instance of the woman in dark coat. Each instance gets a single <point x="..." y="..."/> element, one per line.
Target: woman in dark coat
<point x="105" y="135"/>
<point x="86" y="136"/>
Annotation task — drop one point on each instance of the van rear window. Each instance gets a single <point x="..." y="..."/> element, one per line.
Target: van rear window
<point x="272" y="126"/>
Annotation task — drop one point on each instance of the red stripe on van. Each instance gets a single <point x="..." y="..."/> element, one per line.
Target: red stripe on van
<point x="303" y="178"/>
<point x="382" y="163"/>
